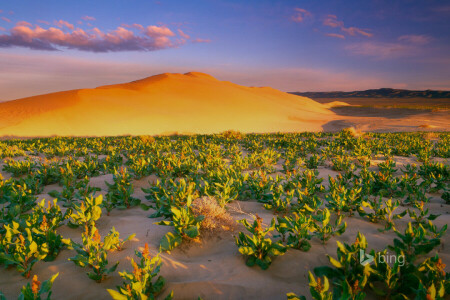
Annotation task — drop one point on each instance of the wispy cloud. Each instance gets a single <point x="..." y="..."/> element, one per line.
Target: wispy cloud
<point x="61" y="24"/>
<point x="136" y="38"/>
<point x="415" y="39"/>
<point x="405" y="46"/>
<point x="199" y="40"/>
<point x="88" y="18"/>
<point x="6" y="19"/>
<point x="381" y="50"/>
<point x="336" y="35"/>
<point x="332" y="21"/>
<point x="43" y="22"/>
<point x="183" y="35"/>
<point x="300" y="15"/>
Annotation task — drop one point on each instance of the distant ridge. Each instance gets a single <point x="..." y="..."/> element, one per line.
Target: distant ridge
<point x="162" y="104"/>
<point x="377" y="93"/>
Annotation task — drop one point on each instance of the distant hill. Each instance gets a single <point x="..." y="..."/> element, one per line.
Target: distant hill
<point x="162" y="104"/>
<point x="377" y="93"/>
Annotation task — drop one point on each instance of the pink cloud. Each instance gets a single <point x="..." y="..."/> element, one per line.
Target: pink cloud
<point x="148" y="38"/>
<point x="354" y="31"/>
<point x="43" y="22"/>
<point x="198" y="40"/>
<point x="23" y="23"/>
<point x="88" y="18"/>
<point x="137" y="26"/>
<point x="415" y="39"/>
<point x="381" y="50"/>
<point x="336" y="35"/>
<point x="183" y="35"/>
<point x="2" y="29"/>
<point x="332" y="21"/>
<point x="300" y="15"/>
<point x="62" y="23"/>
<point x="6" y="19"/>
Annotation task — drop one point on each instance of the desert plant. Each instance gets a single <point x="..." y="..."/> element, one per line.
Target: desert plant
<point x="298" y="227"/>
<point x="20" y="250"/>
<point x="144" y="282"/>
<point x="36" y="290"/>
<point x="324" y="229"/>
<point x="93" y="252"/>
<point x="120" y="192"/>
<point x="256" y="248"/>
<point x="87" y="213"/>
<point x="186" y="225"/>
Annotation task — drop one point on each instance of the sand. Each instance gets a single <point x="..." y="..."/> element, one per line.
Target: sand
<point x="212" y="269"/>
<point x="162" y="104"/>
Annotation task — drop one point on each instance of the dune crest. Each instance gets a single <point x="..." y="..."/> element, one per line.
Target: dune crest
<point x="193" y="102"/>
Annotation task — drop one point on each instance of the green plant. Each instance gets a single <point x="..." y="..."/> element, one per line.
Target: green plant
<point x="324" y="229"/>
<point x="256" y="248"/>
<point x="318" y="290"/>
<point x="186" y="225"/>
<point x="20" y="250"/>
<point x="36" y="290"/>
<point x="93" y="252"/>
<point x="280" y="201"/>
<point x="298" y="227"/>
<point x="382" y="210"/>
<point x="348" y="274"/>
<point x="120" y="192"/>
<point x="168" y="193"/>
<point x="87" y="213"/>
<point x="342" y="199"/>
<point x="144" y="282"/>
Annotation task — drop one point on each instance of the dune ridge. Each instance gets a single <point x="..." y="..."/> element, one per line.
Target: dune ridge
<point x="166" y="103"/>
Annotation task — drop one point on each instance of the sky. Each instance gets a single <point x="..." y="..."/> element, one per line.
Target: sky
<point x="291" y="45"/>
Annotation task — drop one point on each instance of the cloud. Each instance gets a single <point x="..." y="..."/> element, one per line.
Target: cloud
<point x="382" y="50"/>
<point x="137" y="38"/>
<point x="183" y="35"/>
<point x="199" y="40"/>
<point x="43" y="22"/>
<point x="88" y="18"/>
<point x="2" y="29"/>
<point x="354" y="31"/>
<point x="62" y="24"/>
<point x="336" y="35"/>
<point x="300" y="15"/>
<point x="23" y="23"/>
<point x="415" y="39"/>
<point x="332" y="21"/>
<point x="6" y="19"/>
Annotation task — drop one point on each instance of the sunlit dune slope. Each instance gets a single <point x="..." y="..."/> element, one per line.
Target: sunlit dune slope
<point x="162" y="104"/>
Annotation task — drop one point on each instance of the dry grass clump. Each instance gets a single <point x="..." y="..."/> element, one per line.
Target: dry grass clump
<point x="233" y="134"/>
<point x="147" y="138"/>
<point x="353" y="131"/>
<point x="427" y="126"/>
<point x="217" y="219"/>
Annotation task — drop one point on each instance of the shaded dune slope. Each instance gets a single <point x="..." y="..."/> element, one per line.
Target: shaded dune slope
<point x="162" y="104"/>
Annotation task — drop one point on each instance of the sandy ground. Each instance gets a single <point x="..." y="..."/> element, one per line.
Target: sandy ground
<point x="375" y="115"/>
<point x="212" y="269"/>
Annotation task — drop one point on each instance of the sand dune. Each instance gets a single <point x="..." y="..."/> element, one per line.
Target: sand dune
<point x="165" y="103"/>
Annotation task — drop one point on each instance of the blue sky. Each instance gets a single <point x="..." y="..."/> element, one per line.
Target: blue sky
<point x="290" y="45"/>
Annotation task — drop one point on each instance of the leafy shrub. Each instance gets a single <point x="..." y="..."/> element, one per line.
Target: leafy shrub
<point x="256" y="248"/>
<point x="144" y="282"/>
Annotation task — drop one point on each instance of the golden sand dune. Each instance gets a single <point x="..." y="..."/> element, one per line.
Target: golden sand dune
<point x="166" y="103"/>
